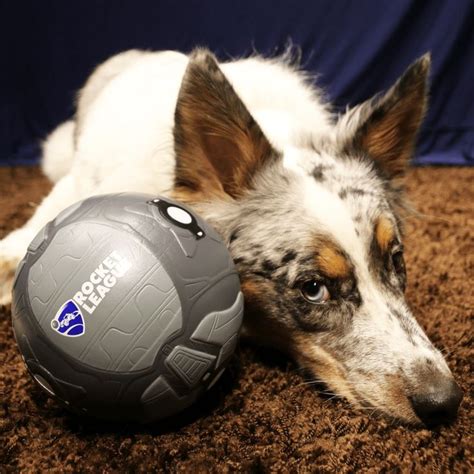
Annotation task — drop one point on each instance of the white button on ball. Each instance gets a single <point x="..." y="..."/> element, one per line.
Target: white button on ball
<point x="179" y="215"/>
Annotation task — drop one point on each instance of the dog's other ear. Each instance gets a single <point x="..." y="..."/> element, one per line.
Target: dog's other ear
<point x="218" y="144"/>
<point x="387" y="125"/>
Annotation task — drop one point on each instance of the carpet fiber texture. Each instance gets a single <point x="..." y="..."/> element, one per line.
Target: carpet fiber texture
<point x="261" y="416"/>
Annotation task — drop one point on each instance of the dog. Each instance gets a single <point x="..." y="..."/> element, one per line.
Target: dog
<point x="309" y="203"/>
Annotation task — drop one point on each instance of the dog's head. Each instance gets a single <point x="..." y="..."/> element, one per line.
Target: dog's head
<point x="315" y="232"/>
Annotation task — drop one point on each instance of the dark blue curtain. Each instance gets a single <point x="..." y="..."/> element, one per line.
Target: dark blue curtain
<point x="357" y="48"/>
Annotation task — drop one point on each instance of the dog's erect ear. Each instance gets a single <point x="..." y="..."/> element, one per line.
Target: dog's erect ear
<point x="387" y="125"/>
<point x="219" y="146"/>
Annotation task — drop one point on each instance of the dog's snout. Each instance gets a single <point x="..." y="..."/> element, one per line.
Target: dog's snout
<point x="439" y="403"/>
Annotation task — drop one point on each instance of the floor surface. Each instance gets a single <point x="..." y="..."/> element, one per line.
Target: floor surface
<point x="261" y="416"/>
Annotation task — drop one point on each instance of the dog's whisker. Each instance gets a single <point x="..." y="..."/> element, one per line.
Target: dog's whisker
<point x="311" y="382"/>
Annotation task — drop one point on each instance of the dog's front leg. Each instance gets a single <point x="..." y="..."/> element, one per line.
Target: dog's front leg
<point x="14" y="245"/>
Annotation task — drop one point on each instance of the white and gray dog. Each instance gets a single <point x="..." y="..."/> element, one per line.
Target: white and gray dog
<point x="310" y="205"/>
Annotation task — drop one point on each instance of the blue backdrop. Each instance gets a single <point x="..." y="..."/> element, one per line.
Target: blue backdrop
<point x="358" y="47"/>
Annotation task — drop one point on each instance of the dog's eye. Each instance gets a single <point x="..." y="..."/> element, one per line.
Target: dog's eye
<point x="398" y="261"/>
<point x="315" y="292"/>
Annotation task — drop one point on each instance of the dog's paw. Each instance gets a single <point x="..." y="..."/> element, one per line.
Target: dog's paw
<point x="12" y="250"/>
<point x="7" y="275"/>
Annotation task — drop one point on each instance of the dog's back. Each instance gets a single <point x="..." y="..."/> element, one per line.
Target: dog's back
<point x="125" y="115"/>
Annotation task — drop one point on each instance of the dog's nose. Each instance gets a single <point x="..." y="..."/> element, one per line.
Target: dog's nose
<point x="439" y="404"/>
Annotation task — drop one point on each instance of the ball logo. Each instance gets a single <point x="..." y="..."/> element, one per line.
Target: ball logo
<point x="69" y="320"/>
<point x="101" y="281"/>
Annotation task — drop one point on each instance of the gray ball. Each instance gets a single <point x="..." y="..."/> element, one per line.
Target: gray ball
<point x="127" y="307"/>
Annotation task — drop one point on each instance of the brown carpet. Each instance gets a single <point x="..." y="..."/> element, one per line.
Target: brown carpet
<point x="261" y="417"/>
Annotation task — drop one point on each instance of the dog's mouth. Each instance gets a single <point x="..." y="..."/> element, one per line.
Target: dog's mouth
<point x="432" y="405"/>
<point x="430" y="398"/>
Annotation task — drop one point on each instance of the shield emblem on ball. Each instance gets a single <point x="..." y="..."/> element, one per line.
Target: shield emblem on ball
<point x="69" y="320"/>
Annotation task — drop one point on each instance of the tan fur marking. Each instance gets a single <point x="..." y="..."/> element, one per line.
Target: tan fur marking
<point x="250" y="289"/>
<point x="327" y="368"/>
<point x="258" y="326"/>
<point x="396" y="399"/>
<point x="331" y="261"/>
<point x="324" y="365"/>
<point x="384" y="233"/>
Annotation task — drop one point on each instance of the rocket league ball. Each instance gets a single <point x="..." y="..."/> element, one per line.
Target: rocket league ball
<point x="127" y="307"/>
